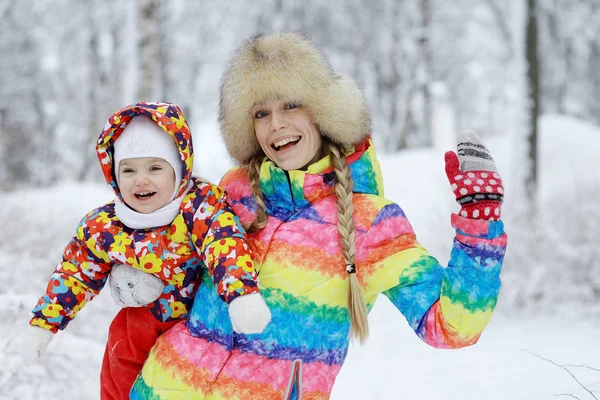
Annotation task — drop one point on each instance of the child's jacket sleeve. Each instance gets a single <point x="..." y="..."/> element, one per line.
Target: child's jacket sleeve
<point x="75" y="281"/>
<point x="222" y="244"/>
<point x="446" y="307"/>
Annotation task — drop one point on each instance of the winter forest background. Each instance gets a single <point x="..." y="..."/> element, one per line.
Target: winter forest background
<point x="524" y="74"/>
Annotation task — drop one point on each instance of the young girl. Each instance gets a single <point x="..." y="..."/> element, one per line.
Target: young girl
<point x="326" y="242"/>
<point x="155" y="237"/>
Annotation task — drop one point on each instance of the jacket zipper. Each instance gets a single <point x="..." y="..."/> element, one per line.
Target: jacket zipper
<point x="295" y="381"/>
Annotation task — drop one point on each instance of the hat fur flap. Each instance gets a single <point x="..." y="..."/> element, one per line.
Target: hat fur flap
<point x="286" y="66"/>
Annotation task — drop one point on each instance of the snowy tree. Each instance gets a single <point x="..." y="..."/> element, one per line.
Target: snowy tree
<point x="569" y="41"/>
<point x="475" y="59"/>
<point x="149" y="50"/>
<point x="18" y="72"/>
<point x="107" y="60"/>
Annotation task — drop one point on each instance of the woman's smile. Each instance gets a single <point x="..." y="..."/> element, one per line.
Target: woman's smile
<point x="286" y="134"/>
<point x="285" y="143"/>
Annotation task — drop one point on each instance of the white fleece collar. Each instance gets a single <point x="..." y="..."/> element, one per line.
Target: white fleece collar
<point x="161" y="217"/>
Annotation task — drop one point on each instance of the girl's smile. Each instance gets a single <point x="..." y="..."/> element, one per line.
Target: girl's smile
<point x="146" y="183"/>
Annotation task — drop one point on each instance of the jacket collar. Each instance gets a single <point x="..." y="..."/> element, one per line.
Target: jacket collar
<point x="287" y="191"/>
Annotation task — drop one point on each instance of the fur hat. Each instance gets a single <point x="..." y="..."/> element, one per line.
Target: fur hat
<point x="286" y="66"/>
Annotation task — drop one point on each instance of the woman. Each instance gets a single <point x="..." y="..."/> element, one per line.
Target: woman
<point x="325" y="241"/>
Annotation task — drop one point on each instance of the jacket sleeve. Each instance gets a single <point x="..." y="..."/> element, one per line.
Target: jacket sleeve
<point x="75" y="281"/>
<point x="221" y="242"/>
<point x="446" y="307"/>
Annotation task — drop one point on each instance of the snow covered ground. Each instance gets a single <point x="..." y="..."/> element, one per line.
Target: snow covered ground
<point x="394" y="364"/>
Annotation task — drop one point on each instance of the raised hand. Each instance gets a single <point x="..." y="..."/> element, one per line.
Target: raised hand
<point x="474" y="179"/>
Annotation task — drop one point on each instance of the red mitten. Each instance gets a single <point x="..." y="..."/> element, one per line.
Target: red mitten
<point x="474" y="179"/>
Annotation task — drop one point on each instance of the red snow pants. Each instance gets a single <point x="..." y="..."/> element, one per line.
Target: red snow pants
<point x="131" y="335"/>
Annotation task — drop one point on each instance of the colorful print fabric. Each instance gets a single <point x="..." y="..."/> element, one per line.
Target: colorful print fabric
<point x="206" y="232"/>
<point x="304" y="282"/>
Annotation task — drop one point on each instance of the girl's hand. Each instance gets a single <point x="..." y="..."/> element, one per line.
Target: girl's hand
<point x="249" y="313"/>
<point x="34" y="342"/>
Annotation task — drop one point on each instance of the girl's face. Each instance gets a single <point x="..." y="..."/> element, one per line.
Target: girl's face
<point x="286" y="134"/>
<point x="146" y="183"/>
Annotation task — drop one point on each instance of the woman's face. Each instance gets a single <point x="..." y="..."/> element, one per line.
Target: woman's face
<point x="286" y="134"/>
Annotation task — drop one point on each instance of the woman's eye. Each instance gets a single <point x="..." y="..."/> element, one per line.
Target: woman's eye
<point x="291" y="105"/>
<point x="260" y="114"/>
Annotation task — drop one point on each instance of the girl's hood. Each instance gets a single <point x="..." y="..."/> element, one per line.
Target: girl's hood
<point x="167" y="116"/>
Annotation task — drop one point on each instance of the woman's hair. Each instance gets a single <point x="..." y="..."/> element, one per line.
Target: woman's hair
<point x="343" y="190"/>
<point x="253" y="168"/>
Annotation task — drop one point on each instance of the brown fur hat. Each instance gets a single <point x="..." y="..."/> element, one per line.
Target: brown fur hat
<point x="286" y="66"/>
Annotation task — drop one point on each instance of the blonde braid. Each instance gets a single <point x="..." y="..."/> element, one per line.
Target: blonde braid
<point x="260" y="221"/>
<point x="343" y="190"/>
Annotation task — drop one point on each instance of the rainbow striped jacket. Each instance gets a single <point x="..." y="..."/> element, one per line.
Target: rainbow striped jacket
<point x="206" y="232"/>
<point x="304" y="282"/>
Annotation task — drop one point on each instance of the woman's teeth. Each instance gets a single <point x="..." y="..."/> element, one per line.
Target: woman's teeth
<point x="280" y="143"/>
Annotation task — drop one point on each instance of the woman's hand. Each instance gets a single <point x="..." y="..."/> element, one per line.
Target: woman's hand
<point x="474" y="178"/>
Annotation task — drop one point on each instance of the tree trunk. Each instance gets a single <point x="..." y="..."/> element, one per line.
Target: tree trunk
<point x="533" y="72"/>
<point x="595" y="79"/>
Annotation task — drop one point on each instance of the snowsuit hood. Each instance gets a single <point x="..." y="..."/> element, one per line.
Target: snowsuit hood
<point x="168" y="117"/>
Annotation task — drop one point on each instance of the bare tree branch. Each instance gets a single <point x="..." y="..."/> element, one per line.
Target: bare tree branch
<point x="567" y="370"/>
<point x="582" y="366"/>
<point x="567" y="394"/>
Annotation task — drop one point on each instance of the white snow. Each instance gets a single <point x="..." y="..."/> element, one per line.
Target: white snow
<point x="394" y="364"/>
